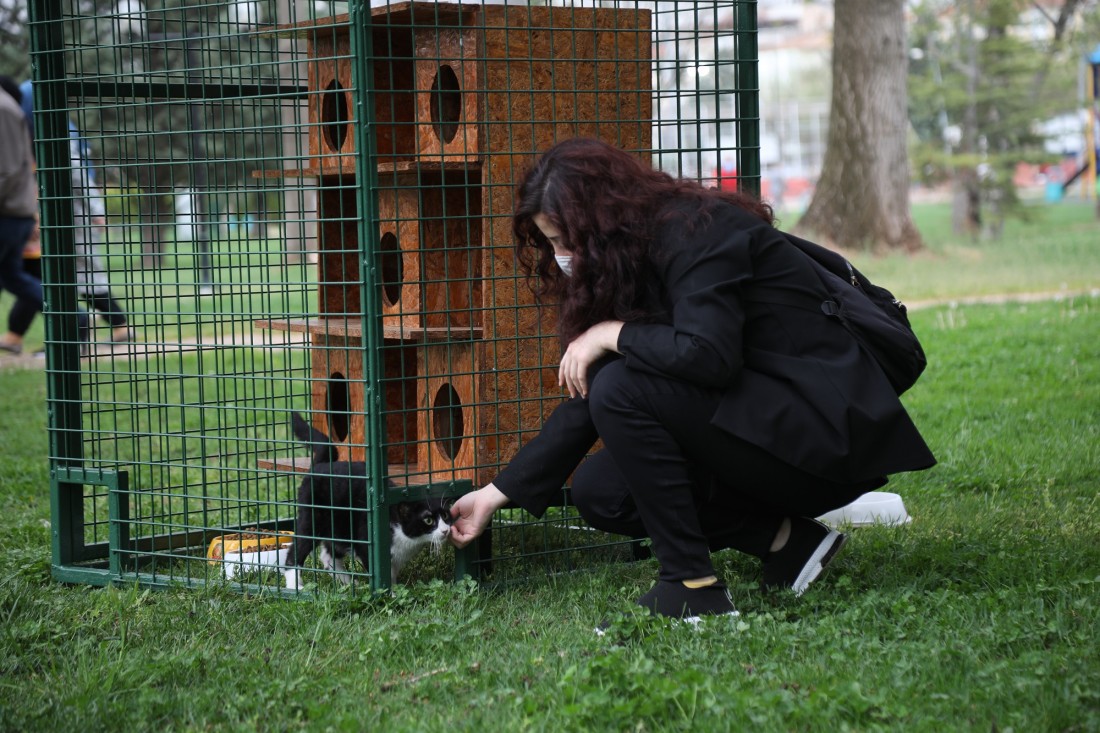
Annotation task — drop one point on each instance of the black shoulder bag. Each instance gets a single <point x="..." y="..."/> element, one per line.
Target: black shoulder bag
<point x="872" y="314"/>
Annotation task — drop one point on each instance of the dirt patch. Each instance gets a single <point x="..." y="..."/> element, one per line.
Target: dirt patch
<point x="1000" y="299"/>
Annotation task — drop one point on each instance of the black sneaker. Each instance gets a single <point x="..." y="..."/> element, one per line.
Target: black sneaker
<point x="809" y="549"/>
<point x="674" y="599"/>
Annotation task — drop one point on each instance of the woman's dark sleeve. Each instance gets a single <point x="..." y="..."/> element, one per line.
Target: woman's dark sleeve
<point x="704" y="275"/>
<point x="533" y="479"/>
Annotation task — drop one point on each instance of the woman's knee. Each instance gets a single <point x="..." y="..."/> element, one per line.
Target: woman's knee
<point x="600" y="494"/>
<point x="613" y="389"/>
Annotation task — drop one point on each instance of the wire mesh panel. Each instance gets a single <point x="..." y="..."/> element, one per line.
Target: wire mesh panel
<point x="305" y="208"/>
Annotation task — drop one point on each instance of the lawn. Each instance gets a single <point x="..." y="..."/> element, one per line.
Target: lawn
<point x="981" y="614"/>
<point x="1056" y="250"/>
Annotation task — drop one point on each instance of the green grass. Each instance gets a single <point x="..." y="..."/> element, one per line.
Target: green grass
<point x="982" y="614"/>
<point x="1057" y="250"/>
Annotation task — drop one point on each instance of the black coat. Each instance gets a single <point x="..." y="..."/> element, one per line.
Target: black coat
<point x="794" y="382"/>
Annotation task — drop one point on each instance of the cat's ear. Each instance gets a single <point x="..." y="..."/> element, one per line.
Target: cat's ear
<point x="441" y="504"/>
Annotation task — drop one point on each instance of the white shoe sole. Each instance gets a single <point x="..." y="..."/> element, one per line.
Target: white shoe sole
<point x="820" y="558"/>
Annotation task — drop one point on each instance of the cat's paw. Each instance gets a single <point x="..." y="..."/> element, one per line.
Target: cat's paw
<point x="293" y="582"/>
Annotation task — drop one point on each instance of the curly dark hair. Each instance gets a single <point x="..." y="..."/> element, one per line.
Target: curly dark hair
<point x="608" y="204"/>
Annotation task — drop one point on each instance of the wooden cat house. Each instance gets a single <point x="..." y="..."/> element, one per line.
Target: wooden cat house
<point x="463" y="98"/>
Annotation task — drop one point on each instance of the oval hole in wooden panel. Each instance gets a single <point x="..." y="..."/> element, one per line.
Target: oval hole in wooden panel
<point x="447" y="426"/>
<point x="334" y="115"/>
<point x="446" y="104"/>
<point x="393" y="271"/>
<point x="339" y="407"/>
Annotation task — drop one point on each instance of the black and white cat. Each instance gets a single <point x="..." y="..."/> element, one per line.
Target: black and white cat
<point x="332" y="513"/>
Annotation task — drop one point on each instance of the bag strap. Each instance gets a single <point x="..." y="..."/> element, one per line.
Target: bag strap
<point x="823" y="261"/>
<point x="804" y="302"/>
<point x="830" y="260"/>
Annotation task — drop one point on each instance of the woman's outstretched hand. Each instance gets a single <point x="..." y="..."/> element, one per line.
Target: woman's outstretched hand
<point x="583" y="352"/>
<point x="472" y="512"/>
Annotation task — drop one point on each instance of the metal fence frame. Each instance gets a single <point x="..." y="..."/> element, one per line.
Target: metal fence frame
<point x="103" y="529"/>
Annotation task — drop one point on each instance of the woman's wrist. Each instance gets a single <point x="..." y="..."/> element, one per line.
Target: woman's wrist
<point x="494" y="496"/>
<point x="611" y="336"/>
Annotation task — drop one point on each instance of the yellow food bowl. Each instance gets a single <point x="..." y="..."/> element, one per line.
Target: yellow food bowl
<point x="243" y="542"/>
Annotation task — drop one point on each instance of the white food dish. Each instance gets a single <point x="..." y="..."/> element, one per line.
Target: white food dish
<point x="875" y="507"/>
<point x="240" y="562"/>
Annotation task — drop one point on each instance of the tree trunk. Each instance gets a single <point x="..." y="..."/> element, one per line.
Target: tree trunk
<point x="862" y="196"/>
<point x="966" y="198"/>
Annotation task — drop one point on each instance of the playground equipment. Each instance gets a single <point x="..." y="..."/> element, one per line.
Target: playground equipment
<point x="1088" y="169"/>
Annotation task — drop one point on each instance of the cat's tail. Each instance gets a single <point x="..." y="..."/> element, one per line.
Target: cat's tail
<point x="324" y="451"/>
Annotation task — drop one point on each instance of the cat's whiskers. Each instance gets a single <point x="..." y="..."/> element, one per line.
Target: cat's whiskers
<point x="439" y="537"/>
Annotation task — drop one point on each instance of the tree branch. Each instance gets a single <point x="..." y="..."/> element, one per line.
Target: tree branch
<point x="1042" y="10"/>
<point x="1065" y="15"/>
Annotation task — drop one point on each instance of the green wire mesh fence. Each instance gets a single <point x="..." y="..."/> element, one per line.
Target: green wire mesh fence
<point x="251" y="210"/>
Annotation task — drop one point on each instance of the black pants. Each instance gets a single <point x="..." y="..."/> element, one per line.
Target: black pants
<point x="25" y="286"/>
<point x="108" y="307"/>
<point x="666" y="473"/>
<point x="22" y="313"/>
<point x="24" y="310"/>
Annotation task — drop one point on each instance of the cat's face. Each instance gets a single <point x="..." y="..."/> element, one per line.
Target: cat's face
<point x="415" y="525"/>
<point x="428" y="521"/>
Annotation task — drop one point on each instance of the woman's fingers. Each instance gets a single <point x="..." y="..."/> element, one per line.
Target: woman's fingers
<point x="571" y="374"/>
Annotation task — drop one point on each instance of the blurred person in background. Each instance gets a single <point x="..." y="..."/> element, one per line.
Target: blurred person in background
<point x="89" y="221"/>
<point x="18" y="208"/>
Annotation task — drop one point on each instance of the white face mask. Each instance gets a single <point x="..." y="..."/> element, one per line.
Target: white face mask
<point x="565" y="263"/>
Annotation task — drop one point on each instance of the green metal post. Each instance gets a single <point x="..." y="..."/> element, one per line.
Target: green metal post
<point x="748" y="96"/>
<point x="59" y="278"/>
<point x="58" y="264"/>
<point x="118" y="509"/>
<point x="362" y="51"/>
